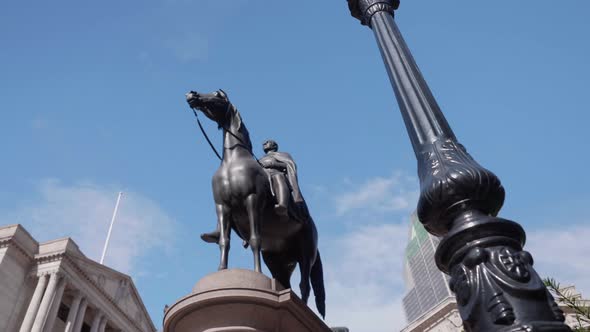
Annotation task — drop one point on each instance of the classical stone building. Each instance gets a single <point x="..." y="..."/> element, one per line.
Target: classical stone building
<point x="53" y="286"/>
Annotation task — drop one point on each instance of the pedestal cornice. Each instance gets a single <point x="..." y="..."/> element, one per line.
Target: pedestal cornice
<point x="233" y="300"/>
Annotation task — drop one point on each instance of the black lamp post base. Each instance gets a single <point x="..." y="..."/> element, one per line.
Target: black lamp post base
<point x="496" y="286"/>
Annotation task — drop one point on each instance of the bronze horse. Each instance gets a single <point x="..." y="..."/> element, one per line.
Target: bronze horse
<point x="244" y="203"/>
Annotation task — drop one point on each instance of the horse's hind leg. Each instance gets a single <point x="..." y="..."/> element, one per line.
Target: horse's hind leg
<point x="279" y="267"/>
<point x="223" y="218"/>
<point x="253" y="208"/>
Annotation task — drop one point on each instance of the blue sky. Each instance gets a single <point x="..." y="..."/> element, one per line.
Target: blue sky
<point x="92" y="102"/>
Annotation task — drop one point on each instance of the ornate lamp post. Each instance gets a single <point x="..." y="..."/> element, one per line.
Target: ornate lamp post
<point x="496" y="286"/>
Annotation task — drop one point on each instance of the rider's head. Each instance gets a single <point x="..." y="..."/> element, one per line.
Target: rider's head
<point x="270" y="145"/>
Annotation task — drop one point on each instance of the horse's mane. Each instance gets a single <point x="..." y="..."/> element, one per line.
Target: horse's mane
<point x="240" y="128"/>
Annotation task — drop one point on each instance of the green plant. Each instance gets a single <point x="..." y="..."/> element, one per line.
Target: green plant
<point x="572" y="300"/>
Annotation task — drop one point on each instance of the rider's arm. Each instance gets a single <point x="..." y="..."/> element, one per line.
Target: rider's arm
<point x="273" y="163"/>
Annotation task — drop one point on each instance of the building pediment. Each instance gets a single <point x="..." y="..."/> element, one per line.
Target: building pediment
<point x="117" y="286"/>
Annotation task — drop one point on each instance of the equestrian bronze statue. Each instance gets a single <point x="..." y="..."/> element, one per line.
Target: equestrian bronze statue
<point x="261" y="202"/>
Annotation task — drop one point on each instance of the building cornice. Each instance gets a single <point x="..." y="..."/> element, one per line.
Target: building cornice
<point x="9" y="242"/>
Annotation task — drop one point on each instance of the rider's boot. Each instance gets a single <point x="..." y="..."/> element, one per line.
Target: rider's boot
<point x="211" y="237"/>
<point x="282" y="193"/>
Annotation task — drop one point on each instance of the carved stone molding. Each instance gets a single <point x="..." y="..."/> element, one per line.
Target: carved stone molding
<point x="365" y="9"/>
<point x="5" y="243"/>
<point x="49" y="258"/>
<point x="101" y="280"/>
<point x="10" y="243"/>
<point x="123" y="291"/>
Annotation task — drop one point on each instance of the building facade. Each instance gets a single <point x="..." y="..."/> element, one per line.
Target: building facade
<point x="427" y="285"/>
<point x="53" y="286"/>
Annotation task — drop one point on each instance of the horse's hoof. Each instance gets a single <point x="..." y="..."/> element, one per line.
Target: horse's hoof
<point x="222" y="267"/>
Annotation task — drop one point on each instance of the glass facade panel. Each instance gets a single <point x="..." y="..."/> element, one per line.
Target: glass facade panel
<point x="429" y="284"/>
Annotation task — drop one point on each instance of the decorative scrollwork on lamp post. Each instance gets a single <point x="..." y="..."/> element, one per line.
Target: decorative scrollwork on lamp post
<point x="496" y="286"/>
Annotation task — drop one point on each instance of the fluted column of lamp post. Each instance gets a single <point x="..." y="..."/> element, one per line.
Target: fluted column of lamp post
<point x="495" y="284"/>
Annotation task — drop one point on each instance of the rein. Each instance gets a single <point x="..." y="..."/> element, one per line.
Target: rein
<point x="205" y="134"/>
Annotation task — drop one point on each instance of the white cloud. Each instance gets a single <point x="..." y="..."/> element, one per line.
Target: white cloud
<point x="190" y="47"/>
<point x="83" y="212"/>
<point x="380" y="194"/>
<point x="363" y="276"/>
<point x="39" y="122"/>
<point x="562" y="253"/>
<point x="363" y="269"/>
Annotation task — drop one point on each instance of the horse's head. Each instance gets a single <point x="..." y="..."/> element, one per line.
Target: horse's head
<point x="214" y="105"/>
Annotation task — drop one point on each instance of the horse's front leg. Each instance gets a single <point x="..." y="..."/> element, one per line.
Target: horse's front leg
<point x="253" y="208"/>
<point x="223" y="218"/>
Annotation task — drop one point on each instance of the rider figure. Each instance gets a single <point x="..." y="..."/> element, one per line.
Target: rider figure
<point x="283" y="175"/>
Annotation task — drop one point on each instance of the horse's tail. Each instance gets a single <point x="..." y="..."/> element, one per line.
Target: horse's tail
<point x="317" y="283"/>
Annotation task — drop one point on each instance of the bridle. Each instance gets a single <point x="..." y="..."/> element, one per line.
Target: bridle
<point x="222" y="126"/>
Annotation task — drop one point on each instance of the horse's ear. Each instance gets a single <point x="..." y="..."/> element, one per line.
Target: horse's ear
<point x="224" y="94"/>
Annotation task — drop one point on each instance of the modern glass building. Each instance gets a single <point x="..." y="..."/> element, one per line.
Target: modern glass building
<point x="427" y="286"/>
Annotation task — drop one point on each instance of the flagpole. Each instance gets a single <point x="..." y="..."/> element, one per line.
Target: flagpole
<point x="106" y="243"/>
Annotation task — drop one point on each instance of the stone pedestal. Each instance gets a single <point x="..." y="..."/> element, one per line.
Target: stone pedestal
<point x="241" y="300"/>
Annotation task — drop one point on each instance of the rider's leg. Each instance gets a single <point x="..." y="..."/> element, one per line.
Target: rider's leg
<point x="282" y="193"/>
<point x="211" y="237"/>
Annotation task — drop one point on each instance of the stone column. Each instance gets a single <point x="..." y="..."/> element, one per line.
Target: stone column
<point x="45" y="303"/>
<point x="71" y="320"/>
<point x="103" y="324"/>
<point x="80" y="316"/>
<point x="55" y="303"/>
<point x="496" y="286"/>
<point x="98" y="316"/>
<point x="34" y="304"/>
